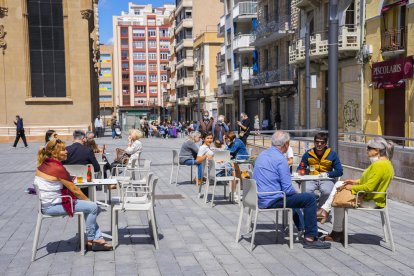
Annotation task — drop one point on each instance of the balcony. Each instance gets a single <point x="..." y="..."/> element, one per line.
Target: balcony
<point x="185" y="43"/>
<point x="185" y="23"/>
<point x="229" y="52"/>
<point x="171" y="98"/>
<point x="228" y="22"/>
<point x="183" y="4"/>
<point x="126" y="101"/>
<point x="220" y="26"/>
<point x="194" y="94"/>
<point x="183" y="101"/>
<point x="348" y="45"/>
<point x="241" y="43"/>
<point x="272" y="31"/>
<point x="189" y="81"/>
<point x="247" y="73"/>
<point x="224" y="92"/>
<point x="223" y="49"/>
<point x="273" y="78"/>
<point x="245" y="11"/>
<point x="185" y="62"/>
<point x="394" y="42"/>
<point x="306" y="4"/>
<point x="222" y="79"/>
<point x="142" y="102"/>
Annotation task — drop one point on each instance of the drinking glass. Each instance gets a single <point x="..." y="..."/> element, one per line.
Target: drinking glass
<point x="79" y="179"/>
<point x="312" y="168"/>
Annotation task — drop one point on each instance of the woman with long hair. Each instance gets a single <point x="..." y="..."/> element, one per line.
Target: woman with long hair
<point x="53" y="180"/>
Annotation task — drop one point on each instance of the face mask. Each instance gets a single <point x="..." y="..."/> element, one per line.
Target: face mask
<point x="373" y="159"/>
<point x="220" y="122"/>
<point x="205" y="117"/>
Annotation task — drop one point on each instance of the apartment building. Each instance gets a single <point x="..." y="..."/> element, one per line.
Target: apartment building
<point x="275" y="97"/>
<point x="171" y="97"/>
<point x="106" y="84"/>
<point x="192" y="18"/>
<point x="315" y="15"/>
<point x="206" y="47"/>
<point x="238" y="61"/>
<point x="50" y="65"/>
<point x="388" y="62"/>
<point x="141" y="58"/>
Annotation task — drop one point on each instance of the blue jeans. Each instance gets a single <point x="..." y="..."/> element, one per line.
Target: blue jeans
<point x="307" y="220"/>
<point x="190" y="162"/>
<point x="113" y="133"/>
<point x="90" y="210"/>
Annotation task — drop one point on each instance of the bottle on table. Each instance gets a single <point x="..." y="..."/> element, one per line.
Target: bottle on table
<point x="301" y="170"/>
<point x="89" y="174"/>
<point x="103" y="149"/>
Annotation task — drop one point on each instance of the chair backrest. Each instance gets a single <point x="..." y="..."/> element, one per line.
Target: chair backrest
<point x="146" y="192"/>
<point x="250" y="194"/>
<point x="249" y="150"/>
<point x="98" y="156"/>
<point x="175" y="157"/>
<point x="222" y="155"/>
<point x="138" y="173"/>
<point x="79" y="170"/>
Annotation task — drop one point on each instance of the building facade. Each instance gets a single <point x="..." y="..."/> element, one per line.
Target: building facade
<point x="192" y="18"/>
<point x="388" y="83"/>
<point x="141" y="58"/>
<point x="49" y="65"/>
<point x="106" y="84"/>
<point x="206" y="47"/>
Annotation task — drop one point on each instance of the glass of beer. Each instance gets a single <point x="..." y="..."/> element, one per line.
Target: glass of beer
<point x="79" y="179"/>
<point x="312" y="168"/>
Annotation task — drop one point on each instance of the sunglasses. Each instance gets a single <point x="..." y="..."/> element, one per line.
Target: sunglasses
<point x="319" y="142"/>
<point x="369" y="148"/>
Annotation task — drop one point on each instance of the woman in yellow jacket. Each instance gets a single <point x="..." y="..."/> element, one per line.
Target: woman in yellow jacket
<point x="375" y="178"/>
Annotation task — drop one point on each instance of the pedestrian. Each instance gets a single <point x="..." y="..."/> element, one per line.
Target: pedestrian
<point x="98" y="126"/>
<point x="220" y="128"/>
<point x="205" y="124"/>
<point x="19" y="131"/>
<point x="244" y="127"/>
<point x="256" y="124"/>
<point x="113" y="126"/>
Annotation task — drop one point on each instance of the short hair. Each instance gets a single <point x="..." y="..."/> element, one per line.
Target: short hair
<point x="79" y="135"/>
<point x="220" y="118"/>
<point x="193" y="135"/>
<point x="89" y="133"/>
<point x="218" y="143"/>
<point x="385" y="147"/>
<point x="321" y="136"/>
<point x="243" y="113"/>
<point x="231" y="135"/>
<point x="135" y="134"/>
<point x="207" y="134"/>
<point x="279" y="138"/>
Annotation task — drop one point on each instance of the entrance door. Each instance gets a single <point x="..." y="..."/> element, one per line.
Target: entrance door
<point x="394" y="112"/>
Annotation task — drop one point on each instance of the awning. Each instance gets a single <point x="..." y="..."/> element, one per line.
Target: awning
<point x="389" y="4"/>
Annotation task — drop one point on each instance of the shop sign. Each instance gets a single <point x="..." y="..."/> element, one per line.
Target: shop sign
<point x="389" y="74"/>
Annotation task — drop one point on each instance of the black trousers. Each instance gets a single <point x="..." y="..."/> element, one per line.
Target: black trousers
<point x="244" y="139"/>
<point x="18" y="135"/>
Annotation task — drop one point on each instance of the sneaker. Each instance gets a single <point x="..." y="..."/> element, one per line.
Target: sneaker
<point x="300" y="234"/>
<point x="316" y="244"/>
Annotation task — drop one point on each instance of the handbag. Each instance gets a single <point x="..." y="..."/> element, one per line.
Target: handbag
<point x="345" y="199"/>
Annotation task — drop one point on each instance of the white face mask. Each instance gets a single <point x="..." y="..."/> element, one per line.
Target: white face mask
<point x="373" y="159"/>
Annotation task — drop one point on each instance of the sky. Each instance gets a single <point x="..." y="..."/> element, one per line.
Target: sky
<point x="108" y="8"/>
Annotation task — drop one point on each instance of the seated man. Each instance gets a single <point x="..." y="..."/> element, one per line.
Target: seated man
<point x="271" y="173"/>
<point x="322" y="159"/>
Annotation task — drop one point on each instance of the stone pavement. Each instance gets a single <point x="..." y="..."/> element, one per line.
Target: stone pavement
<point x="194" y="239"/>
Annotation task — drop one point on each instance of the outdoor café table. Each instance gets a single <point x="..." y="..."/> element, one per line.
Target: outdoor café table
<point x="301" y="179"/>
<point x="102" y="164"/>
<point x="96" y="182"/>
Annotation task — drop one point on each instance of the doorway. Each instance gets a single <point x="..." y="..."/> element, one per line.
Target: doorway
<point x="394" y="112"/>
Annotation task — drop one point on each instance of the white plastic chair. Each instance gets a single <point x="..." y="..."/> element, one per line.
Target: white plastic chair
<point x="41" y="216"/>
<point x="143" y="201"/>
<point x="211" y="176"/>
<point x="250" y="200"/>
<point x="82" y="170"/>
<point x="176" y="163"/>
<point x="385" y="220"/>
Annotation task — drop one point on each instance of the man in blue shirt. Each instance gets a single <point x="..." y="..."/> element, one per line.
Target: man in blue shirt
<point x="272" y="174"/>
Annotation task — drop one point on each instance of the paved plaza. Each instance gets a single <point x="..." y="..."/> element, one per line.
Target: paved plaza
<point x="194" y="239"/>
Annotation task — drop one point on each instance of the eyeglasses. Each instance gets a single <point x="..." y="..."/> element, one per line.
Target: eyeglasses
<point x="318" y="142"/>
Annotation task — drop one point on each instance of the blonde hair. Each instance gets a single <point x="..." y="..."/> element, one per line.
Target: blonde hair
<point x="135" y="134"/>
<point x="51" y="150"/>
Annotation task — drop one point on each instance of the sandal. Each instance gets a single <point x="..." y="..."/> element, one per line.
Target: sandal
<point x="101" y="246"/>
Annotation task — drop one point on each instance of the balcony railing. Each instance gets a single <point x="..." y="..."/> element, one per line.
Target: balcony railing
<point x="394" y="40"/>
<point x="245" y="9"/>
<point x="282" y="25"/>
<point x="247" y="73"/>
<point x="281" y="76"/>
<point x="306" y="4"/>
<point x="243" y="41"/>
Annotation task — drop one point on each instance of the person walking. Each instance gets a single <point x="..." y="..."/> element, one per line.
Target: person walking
<point x="113" y="126"/>
<point x="244" y="127"/>
<point x="98" y="126"/>
<point x="205" y="125"/>
<point x="19" y="131"/>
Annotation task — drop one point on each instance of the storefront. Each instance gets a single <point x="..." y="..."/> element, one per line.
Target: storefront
<point x="391" y="77"/>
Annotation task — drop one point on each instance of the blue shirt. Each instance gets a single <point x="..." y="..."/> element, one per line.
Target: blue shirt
<point x="272" y="174"/>
<point x="238" y="150"/>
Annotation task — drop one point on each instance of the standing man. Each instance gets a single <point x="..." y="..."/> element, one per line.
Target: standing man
<point x="271" y="172"/>
<point x="323" y="160"/>
<point x="19" y="131"/>
<point x="113" y="126"/>
<point x="205" y="124"/>
<point x="98" y="126"/>
<point x="220" y="128"/>
<point x="244" y="127"/>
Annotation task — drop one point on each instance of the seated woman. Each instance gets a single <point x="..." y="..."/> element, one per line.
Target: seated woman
<point x="134" y="145"/>
<point x="236" y="147"/>
<point x="188" y="153"/>
<point x="375" y="178"/>
<point x="54" y="180"/>
<point x="91" y="143"/>
<point x="205" y="152"/>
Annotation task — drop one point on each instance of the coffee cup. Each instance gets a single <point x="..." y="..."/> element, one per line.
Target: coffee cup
<point x="295" y="174"/>
<point x="324" y="174"/>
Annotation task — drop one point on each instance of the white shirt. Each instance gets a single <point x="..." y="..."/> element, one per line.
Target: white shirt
<point x="134" y="150"/>
<point x="203" y="150"/>
<point x="48" y="190"/>
<point x="98" y="123"/>
<point x="289" y="153"/>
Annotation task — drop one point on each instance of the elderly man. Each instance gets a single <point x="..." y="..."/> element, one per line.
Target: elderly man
<point x="220" y="128"/>
<point x="271" y="173"/>
<point x="205" y="125"/>
<point x="322" y="159"/>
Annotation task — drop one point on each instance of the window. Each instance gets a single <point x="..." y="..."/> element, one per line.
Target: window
<point x="151" y="22"/>
<point x="125" y="89"/>
<point x="140" y="88"/>
<point x="105" y="98"/>
<point x="152" y="44"/>
<point x="139" y="55"/>
<point x="125" y="65"/>
<point x="266" y="60"/>
<point x="47" y="48"/>
<point x="124" y="43"/>
<point x="266" y="13"/>
<point x="124" y="54"/>
<point x="140" y="78"/>
<point x="138" y="32"/>
<point x="152" y="67"/>
<point x="276" y="56"/>
<point x="153" y="78"/>
<point x="125" y="76"/>
<point x="164" y="56"/>
<point x="152" y="33"/>
<point x="105" y="86"/>
<point x="139" y="44"/>
<point x="153" y="90"/>
<point x="105" y="72"/>
<point x="152" y="55"/>
<point x="164" y="33"/>
<point x="163" y="78"/>
<point x="124" y="31"/>
<point x="140" y="67"/>
<point x="164" y="44"/>
<point x="106" y="57"/>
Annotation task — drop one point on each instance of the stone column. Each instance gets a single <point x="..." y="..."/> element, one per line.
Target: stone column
<point x="274" y="109"/>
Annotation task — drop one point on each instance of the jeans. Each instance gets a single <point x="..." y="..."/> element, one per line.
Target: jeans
<point x="190" y="162"/>
<point x="113" y="133"/>
<point x="307" y="202"/>
<point x="90" y="210"/>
